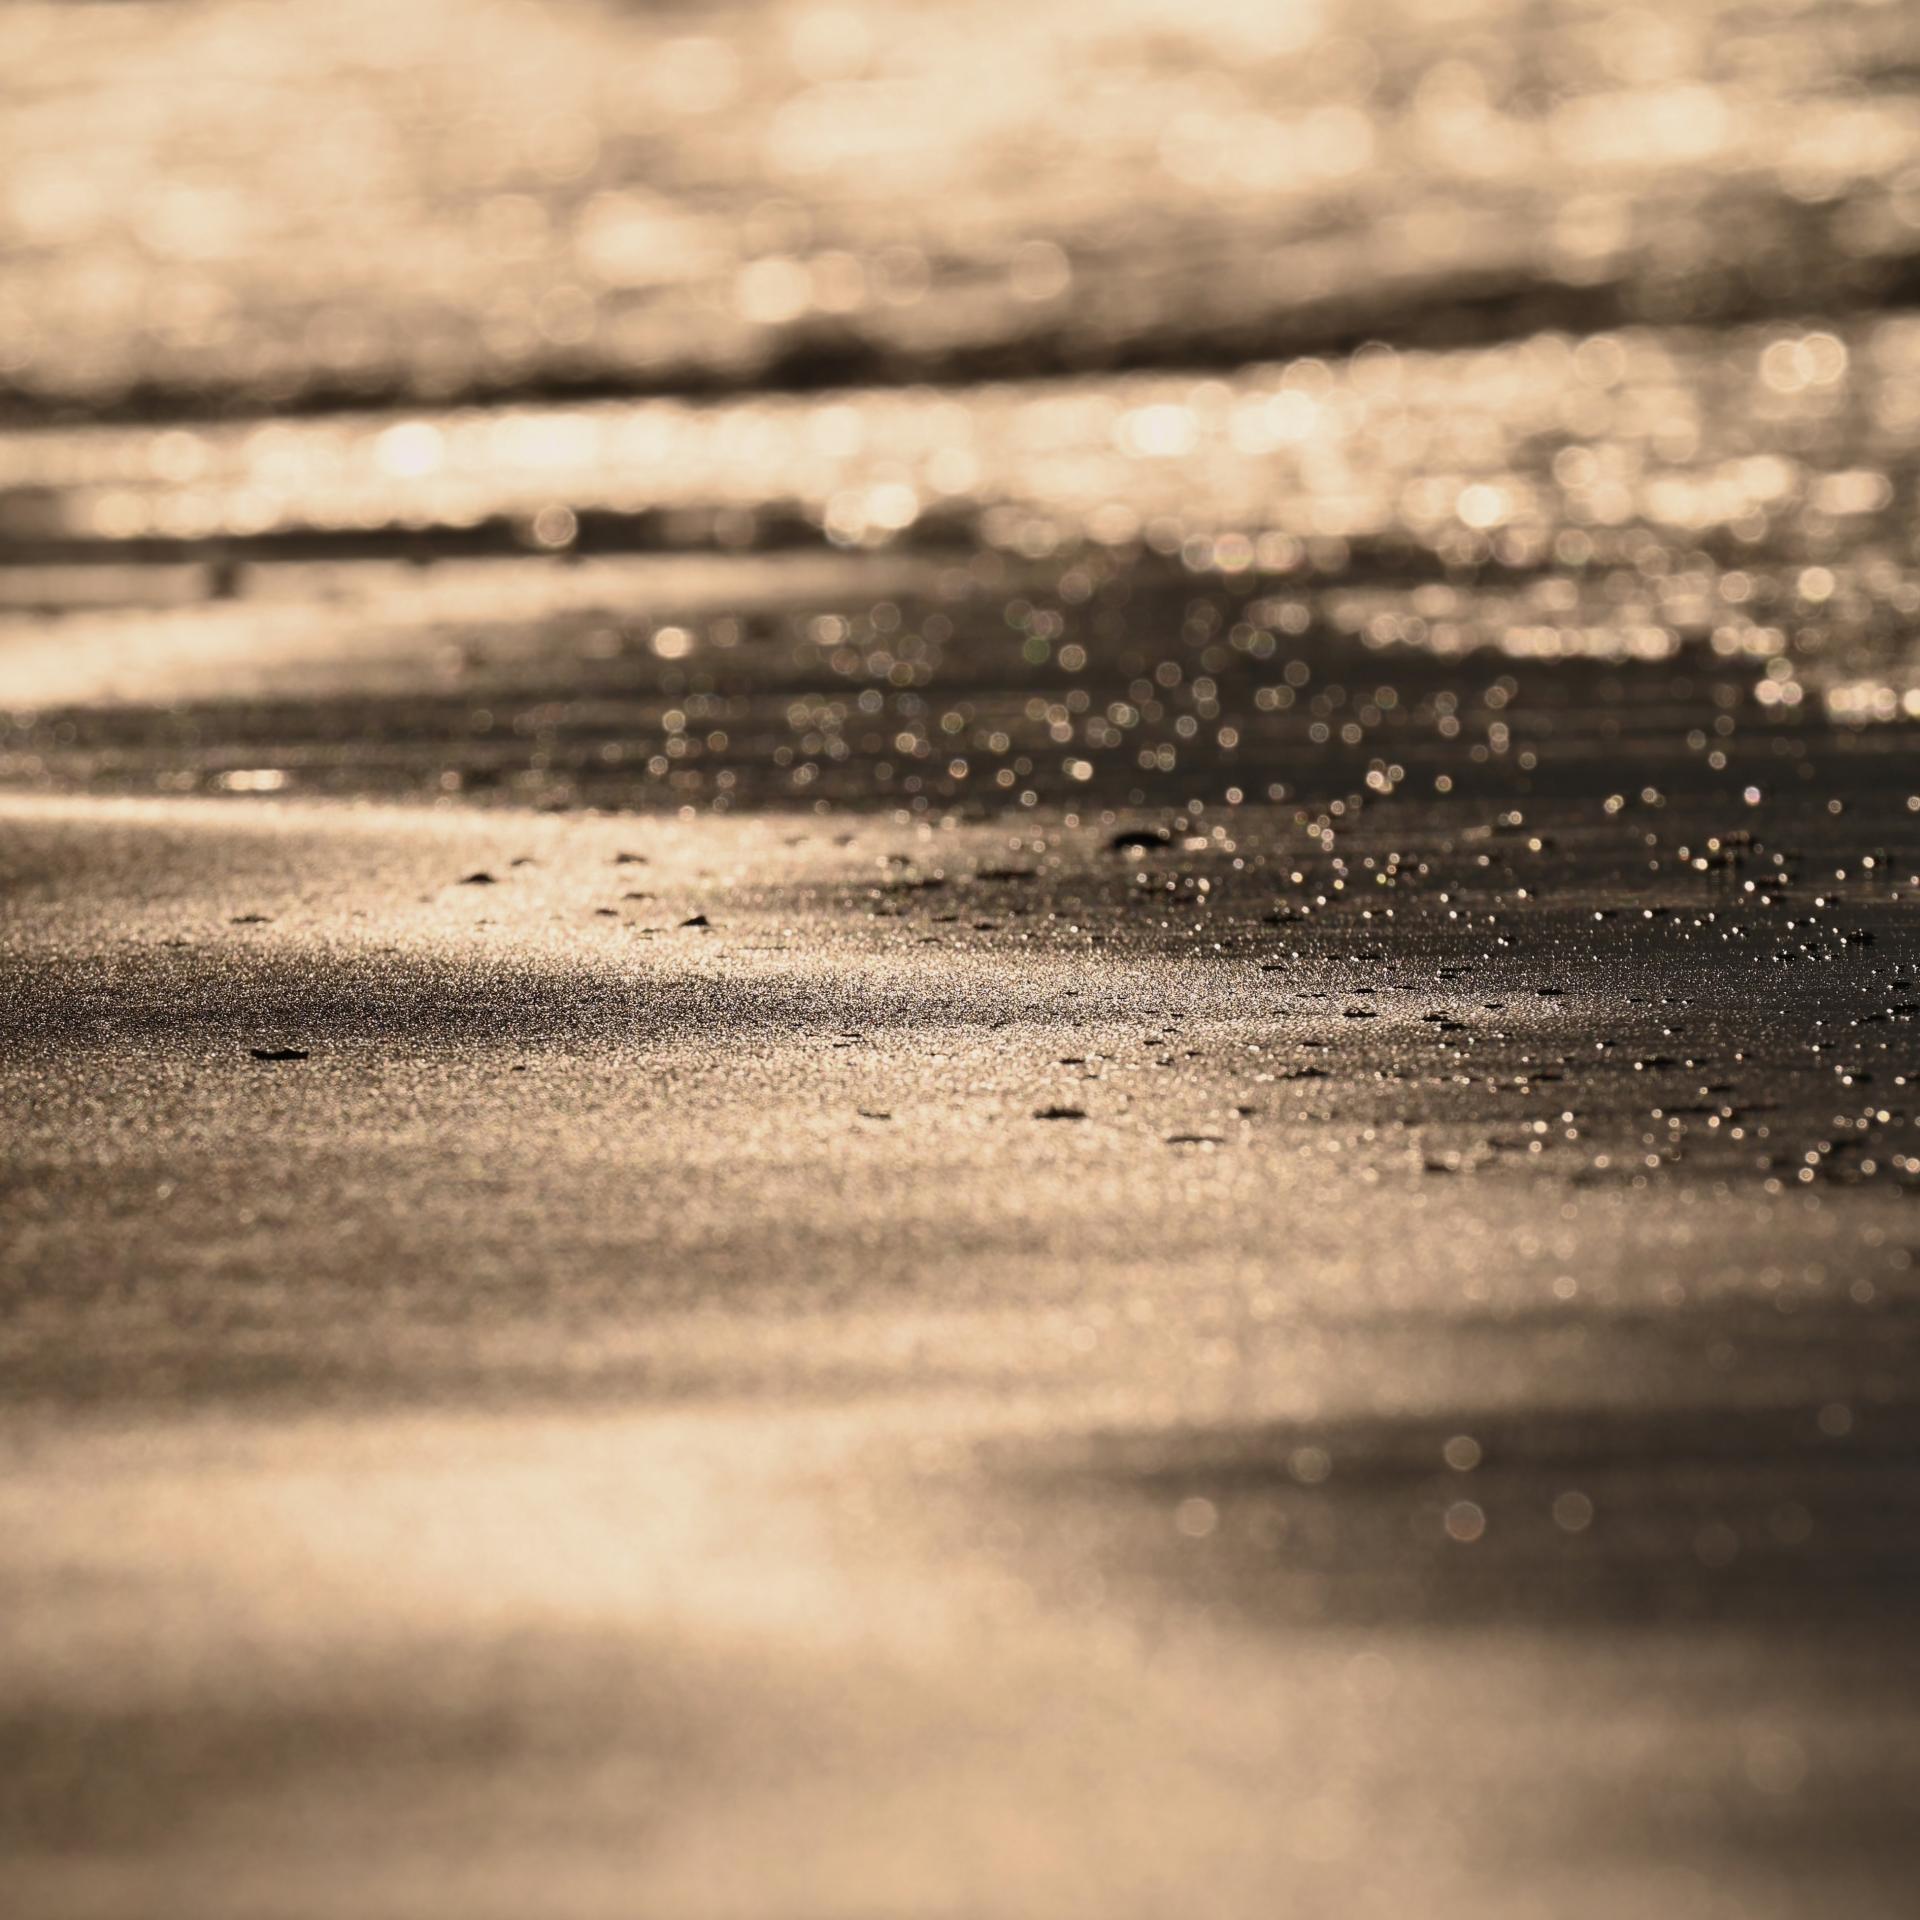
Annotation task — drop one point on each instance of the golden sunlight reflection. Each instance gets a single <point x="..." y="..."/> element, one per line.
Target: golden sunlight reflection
<point x="468" y="195"/>
<point x="1613" y="495"/>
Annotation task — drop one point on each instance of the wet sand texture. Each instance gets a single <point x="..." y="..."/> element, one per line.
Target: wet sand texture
<point x="614" y="1413"/>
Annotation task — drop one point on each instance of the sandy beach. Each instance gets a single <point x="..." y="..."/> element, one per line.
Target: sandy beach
<point x="1051" y="1376"/>
<point x="959" y="962"/>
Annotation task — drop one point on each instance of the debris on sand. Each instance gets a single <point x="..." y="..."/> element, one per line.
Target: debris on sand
<point x="280" y="1053"/>
<point x="629" y="859"/>
<point x="251" y="920"/>
<point x="1059" y="1113"/>
<point x="1195" y="1140"/>
<point x="697" y="920"/>
<point x="480" y="879"/>
<point x="1140" y="840"/>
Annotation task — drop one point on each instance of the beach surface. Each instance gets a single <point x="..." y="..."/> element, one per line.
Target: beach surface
<point x="959" y="961"/>
<point x="824" y="1363"/>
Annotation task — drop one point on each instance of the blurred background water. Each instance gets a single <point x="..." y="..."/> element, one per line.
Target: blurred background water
<point x="1567" y="331"/>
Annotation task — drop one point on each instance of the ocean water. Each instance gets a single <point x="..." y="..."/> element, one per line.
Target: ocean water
<point x="1456" y="331"/>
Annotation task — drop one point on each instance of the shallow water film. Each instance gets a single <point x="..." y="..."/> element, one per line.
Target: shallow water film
<point x="959" y="960"/>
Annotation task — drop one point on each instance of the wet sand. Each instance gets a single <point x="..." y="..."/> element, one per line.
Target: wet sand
<point x="959" y="961"/>
<point x="1002" y="1373"/>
